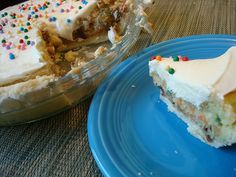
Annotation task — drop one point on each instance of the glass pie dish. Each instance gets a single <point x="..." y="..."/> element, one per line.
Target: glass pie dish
<point x="73" y="87"/>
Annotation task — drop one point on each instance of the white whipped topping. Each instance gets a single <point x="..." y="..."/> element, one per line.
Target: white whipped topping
<point x="195" y="80"/>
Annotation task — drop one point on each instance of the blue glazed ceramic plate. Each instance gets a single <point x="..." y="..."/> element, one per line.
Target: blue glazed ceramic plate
<point x="131" y="133"/>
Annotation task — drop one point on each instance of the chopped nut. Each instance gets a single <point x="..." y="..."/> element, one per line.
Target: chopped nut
<point x="51" y="50"/>
<point x="56" y="41"/>
<point x="100" y="51"/>
<point x="70" y="56"/>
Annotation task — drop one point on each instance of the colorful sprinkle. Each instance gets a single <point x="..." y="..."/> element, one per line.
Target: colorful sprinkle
<point x="11" y="56"/>
<point x="52" y="19"/>
<point x="175" y="58"/>
<point x="32" y="43"/>
<point x="185" y="59"/>
<point x="84" y="2"/>
<point x="21" y="41"/>
<point x="159" y="58"/>
<point x="68" y="20"/>
<point x="171" y="70"/>
<point x="153" y="58"/>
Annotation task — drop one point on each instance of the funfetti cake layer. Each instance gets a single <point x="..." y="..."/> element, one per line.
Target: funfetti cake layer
<point x="202" y="93"/>
<point x="33" y="35"/>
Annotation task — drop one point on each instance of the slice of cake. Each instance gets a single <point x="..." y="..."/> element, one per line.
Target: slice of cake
<point x="202" y="93"/>
<point x="37" y="38"/>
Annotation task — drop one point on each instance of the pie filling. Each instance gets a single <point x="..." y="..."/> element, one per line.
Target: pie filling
<point x="60" y="40"/>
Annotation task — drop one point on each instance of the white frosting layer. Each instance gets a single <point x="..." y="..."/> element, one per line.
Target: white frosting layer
<point x="26" y="62"/>
<point x="19" y="27"/>
<point x="66" y="22"/>
<point x="17" y="90"/>
<point x="196" y="80"/>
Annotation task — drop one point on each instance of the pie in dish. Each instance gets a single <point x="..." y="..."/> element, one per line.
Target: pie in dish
<point x="38" y="39"/>
<point x="202" y="93"/>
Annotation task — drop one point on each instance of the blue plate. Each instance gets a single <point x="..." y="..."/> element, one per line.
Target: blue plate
<point x="131" y="132"/>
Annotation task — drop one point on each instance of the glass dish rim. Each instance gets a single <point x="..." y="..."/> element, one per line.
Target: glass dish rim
<point x="130" y="37"/>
